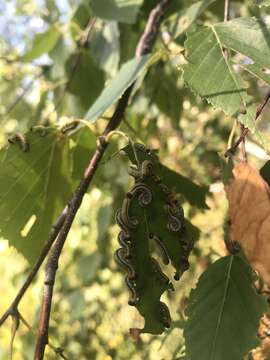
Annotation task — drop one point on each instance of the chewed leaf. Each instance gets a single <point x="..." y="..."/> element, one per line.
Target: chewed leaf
<point x="223" y="312"/>
<point x="150" y="216"/>
<point x="34" y="188"/>
<point x="195" y="194"/>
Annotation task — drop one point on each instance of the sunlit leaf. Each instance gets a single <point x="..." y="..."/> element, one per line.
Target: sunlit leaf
<point x="43" y="43"/>
<point x="34" y="187"/>
<point x="258" y="71"/>
<point x="209" y="74"/>
<point x="187" y="17"/>
<point x="249" y="36"/>
<point x="125" y="77"/>
<point x="118" y="10"/>
<point x="87" y="80"/>
<point x="223" y="312"/>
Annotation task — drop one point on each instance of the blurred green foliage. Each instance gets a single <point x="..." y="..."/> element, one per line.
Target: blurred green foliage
<point x="48" y="78"/>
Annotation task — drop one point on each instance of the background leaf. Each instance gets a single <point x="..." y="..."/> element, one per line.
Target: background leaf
<point x="33" y="183"/>
<point x="206" y="62"/>
<point x="43" y="43"/>
<point x="125" y="77"/>
<point x="223" y="312"/>
<point x="118" y="10"/>
<point x="249" y="36"/>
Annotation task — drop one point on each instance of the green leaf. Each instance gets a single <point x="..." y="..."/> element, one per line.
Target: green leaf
<point x="59" y="55"/>
<point x="263" y="2"/>
<point x="85" y="144"/>
<point x="211" y="76"/>
<point x="87" y="81"/>
<point x="161" y="81"/>
<point x="150" y="216"/>
<point x="43" y="44"/>
<point x="118" y="10"/>
<point x="223" y="312"/>
<point x="193" y="193"/>
<point x="258" y="71"/>
<point x="179" y="23"/>
<point x="125" y="77"/>
<point x="249" y="36"/>
<point x="34" y="188"/>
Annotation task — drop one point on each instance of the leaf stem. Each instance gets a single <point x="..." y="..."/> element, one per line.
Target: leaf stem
<point x="244" y="130"/>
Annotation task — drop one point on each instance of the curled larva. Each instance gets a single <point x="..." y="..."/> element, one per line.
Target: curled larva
<point x="40" y="130"/>
<point x="124" y="241"/>
<point x="21" y="140"/>
<point x="147" y="168"/>
<point x="69" y="126"/>
<point x="143" y="193"/>
<point x="129" y="221"/>
<point x="162" y="248"/>
<point x="122" y="261"/>
<point x="121" y="223"/>
<point x="175" y="218"/>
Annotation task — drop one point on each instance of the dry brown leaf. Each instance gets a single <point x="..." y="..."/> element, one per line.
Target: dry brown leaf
<point x="249" y="210"/>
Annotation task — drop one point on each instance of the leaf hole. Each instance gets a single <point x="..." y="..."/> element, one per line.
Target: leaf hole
<point x="266" y="71"/>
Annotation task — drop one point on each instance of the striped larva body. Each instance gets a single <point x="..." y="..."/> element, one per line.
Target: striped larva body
<point x="125" y="244"/>
<point x="120" y="257"/>
<point x="133" y="300"/>
<point x="40" y="130"/>
<point x="21" y="140"/>
<point x="175" y="218"/>
<point x="69" y="126"/>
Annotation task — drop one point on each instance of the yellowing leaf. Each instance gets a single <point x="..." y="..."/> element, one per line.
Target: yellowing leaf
<point x="249" y="209"/>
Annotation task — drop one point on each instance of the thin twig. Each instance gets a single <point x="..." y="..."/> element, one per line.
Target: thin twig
<point x="226" y="10"/>
<point x="20" y="97"/>
<point x="54" y="232"/>
<point x="144" y="46"/>
<point x="245" y="130"/>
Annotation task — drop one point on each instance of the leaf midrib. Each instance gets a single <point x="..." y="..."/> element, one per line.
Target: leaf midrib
<point x="212" y="354"/>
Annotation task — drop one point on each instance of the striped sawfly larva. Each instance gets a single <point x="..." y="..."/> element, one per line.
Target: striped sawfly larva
<point x="124" y="242"/>
<point x="21" y="140"/>
<point x="176" y="216"/>
<point x="69" y="126"/>
<point x="121" y="223"/>
<point x="40" y="130"/>
<point x="133" y="300"/>
<point x="163" y="252"/>
<point x="129" y="221"/>
<point x="143" y="193"/>
<point x="147" y="168"/>
<point x="120" y="257"/>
